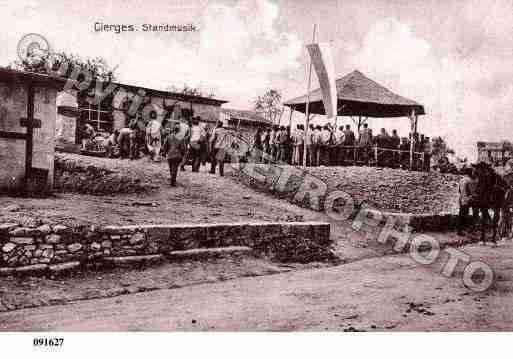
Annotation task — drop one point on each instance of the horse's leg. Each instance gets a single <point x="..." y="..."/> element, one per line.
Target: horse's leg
<point x="482" y="223"/>
<point x="495" y="223"/>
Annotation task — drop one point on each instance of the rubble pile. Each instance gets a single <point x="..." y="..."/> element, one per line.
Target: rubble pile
<point x="79" y="176"/>
<point x="394" y="190"/>
<point x="297" y="250"/>
<point x="386" y="189"/>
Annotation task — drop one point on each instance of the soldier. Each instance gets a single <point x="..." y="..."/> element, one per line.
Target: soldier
<point x="467" y="198"/>
<point x="218" y="146"/>
<point x="365" y="142"/>
<point x="198" y="137"/>
<point x="174" y="148"/>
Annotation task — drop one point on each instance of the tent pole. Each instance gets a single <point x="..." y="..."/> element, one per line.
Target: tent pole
<point x="413" y="128"/>
<point x="290" y="118"/>
<point x="308" y="99"/>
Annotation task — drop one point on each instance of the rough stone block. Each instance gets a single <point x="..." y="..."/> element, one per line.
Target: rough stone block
<point x="44" y="229"/>
<point x="60" y="229"/>
<point x="183" y="237"/>
<point x="106" y="244"/>
<point x="137" y="238"/>
<point x="63" y="267"/>
<point x="127" y="260"/>
<point x="75" y="247"/>
<point x="158" y="233"/>
<point x="32" y="269"/>
<point x="53" y="239"/>
<point x="7" y="227"/>
<point x="18" y="232"/>
<point x="8" y="247"/>
<point x="200" y="253"/>
<point x="22" y="240"/>
<point x="223" y="235"/>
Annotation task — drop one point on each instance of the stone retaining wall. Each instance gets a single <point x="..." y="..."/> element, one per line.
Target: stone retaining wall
<point x="57" y="247"/>
<point x="268" y="179"/>
<point x="418" y="222"/>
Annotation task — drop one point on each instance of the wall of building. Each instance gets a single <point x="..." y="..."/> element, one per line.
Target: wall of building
<point x="13" y="107"/>
<point x="121" y="102"/>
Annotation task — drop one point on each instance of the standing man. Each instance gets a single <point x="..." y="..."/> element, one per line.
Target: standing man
<point x="310" y="146"/>
<point x="272" y="142"/>
<point x="124" y="140"/>
<point x="258" y="147"/>
<point x="299" y="141"/>
<point x="324" y="148"/>
<point x="174" y="148"/>
<point x="349" y="142"/>
<point x="218" y="149"/>
<point x="266" y="144"/>
<point x="110" y="143"/>
<point x="88" y="135"/>
<point x="282" y="143"/>
<point x="185" y="133"/>
<point x="198" y="137"/>
<point x="338" y="150"/>
<point x="467" y="191"/>
<point x="316" y="143"/>
<point x="395" y="142"/>
<point x="365" y="142"/>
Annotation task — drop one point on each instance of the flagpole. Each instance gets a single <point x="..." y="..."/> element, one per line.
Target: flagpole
<point x="308" y="102"/>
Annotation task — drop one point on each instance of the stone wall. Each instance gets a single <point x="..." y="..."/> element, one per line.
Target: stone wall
<point x="57" y="247"/>
<point x="269" y="179"/>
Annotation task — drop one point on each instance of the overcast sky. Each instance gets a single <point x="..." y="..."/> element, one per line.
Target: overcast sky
<point x="454" y="57"/>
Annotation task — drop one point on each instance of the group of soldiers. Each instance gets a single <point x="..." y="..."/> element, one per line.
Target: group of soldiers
<point x="179" y="142"/>
<point x="337" y="147"/>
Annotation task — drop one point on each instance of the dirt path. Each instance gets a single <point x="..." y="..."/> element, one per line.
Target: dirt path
<point x="199" y="198"/>
<point x="389" y="293"/>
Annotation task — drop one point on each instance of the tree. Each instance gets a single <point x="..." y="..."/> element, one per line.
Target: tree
<point x="191" y="91"/>
<point x="61" y="64"/>
<point x="270" y="106"/>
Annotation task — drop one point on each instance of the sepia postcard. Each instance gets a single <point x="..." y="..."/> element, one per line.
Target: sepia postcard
<point x="255" y="165"/>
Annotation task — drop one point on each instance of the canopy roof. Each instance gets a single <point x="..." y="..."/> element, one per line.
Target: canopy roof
<point x="247" y="116"/>
<point x="357" y="95"/>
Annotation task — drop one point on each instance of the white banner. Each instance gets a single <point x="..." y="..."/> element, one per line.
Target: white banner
<point x="322" y="61"/>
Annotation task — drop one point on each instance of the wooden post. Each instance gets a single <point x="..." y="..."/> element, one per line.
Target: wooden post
<point x="29" y="144"/>
<point x="308" y="100"/>
<point x="413" y="128"/>
<point x="98" y="117"/>
<point x="376" y="155"/>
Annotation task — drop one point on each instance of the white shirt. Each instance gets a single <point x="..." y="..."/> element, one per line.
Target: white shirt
<point x="339" y="137"/>
<point x="197" y="133"/>
<point x="325" y="136"/>
<point x="299" y="137"/>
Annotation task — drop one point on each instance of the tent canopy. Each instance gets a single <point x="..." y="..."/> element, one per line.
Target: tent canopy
<point x="357" y="95"/>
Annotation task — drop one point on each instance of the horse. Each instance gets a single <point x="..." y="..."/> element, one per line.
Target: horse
<point x="491" y="194"/>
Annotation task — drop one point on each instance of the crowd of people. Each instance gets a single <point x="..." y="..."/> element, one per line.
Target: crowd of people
<point x="179" y="142"/>
<point x="337" y="147"/>
<point x="199" y="144"/>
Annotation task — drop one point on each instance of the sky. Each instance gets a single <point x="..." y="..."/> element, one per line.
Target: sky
<point x="452" y="56"/>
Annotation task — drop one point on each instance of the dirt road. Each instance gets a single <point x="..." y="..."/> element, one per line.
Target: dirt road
<point x="388" y="293"/>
